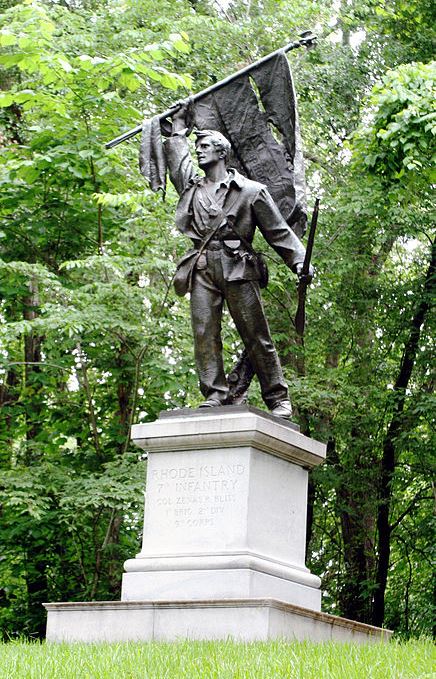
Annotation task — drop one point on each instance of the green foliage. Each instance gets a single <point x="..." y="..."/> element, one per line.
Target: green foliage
<point x="401" y="136"/>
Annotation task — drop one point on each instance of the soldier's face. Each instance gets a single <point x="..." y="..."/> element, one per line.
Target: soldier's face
<point x="207" y="153"/>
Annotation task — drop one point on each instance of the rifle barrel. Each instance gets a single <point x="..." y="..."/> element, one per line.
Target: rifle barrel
<point x="310" y="239"/>
<point x="307" y="39"/>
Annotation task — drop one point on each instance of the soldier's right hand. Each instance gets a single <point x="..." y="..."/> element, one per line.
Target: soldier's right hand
<point x="179" y="118"/>
<point x="181" y="112"/>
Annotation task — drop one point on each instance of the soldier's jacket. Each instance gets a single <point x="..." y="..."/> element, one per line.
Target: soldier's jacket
<point x="247" y="204"/>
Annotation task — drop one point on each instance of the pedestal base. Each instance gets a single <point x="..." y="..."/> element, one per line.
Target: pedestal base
<point x="239" y="619"/>
<point x="223" y="551"/>
<point x="226" y="583"/>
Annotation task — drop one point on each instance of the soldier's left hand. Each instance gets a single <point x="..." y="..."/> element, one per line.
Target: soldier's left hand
<point x="299" y="269"/>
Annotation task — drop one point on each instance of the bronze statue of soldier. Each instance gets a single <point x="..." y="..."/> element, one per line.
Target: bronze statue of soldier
<point x="220" y="212"/>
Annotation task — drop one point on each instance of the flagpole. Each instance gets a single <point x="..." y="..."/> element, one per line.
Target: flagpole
<point x="307" y="39"/>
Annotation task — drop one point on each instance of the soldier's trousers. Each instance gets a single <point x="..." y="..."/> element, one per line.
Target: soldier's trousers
<point x="245" y="306"/>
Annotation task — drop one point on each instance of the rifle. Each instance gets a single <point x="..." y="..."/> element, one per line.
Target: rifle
<point x="307" y="39"/>
<point x="304" y="280"/>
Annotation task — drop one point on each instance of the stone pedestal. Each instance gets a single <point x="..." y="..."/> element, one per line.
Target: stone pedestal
<point x="240" y="619"/>
<point x="225" y="509"/>
<point x="223" y="551"/>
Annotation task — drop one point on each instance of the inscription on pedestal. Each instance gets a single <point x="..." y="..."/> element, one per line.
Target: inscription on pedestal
<point x="197" y="495"/>
<point x="225" y="510"/>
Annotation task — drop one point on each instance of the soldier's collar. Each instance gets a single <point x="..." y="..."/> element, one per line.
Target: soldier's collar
<point x="233" y="178"/>
<point x="225" y="182"/>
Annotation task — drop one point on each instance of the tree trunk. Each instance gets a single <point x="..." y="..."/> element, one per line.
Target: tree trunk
<point x="357" y="513"/>
<point x="37" y="586"/>
<point x="355" y="597"/>
<point x="9" y="393"/>
<point x="32" y="369"/>
<point x="125" y="387"/>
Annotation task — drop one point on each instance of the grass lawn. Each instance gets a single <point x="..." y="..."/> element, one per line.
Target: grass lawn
<point x="220" y="660"/>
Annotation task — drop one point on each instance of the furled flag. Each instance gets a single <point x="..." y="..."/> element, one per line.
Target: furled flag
<point x="257" y="112"/>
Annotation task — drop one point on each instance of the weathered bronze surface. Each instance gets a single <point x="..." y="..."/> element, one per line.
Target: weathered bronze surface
<point x="220" y="212"/>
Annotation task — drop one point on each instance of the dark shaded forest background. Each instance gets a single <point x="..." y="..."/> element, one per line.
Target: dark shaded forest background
<point x="92" y="337"/>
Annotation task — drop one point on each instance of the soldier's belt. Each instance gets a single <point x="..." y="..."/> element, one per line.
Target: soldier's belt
<point x="217" y="242"/>
<point x="215" y="245"/>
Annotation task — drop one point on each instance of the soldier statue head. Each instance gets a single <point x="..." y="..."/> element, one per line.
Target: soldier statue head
<point x="211" y="146"/>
